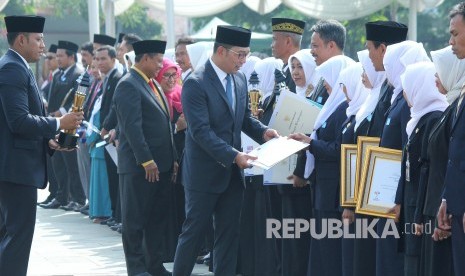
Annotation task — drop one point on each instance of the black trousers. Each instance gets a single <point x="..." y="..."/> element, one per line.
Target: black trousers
<point x="295" y="252"/>
<point x="325" y="258"/>
<point x="458" y="245"/>
<point x="436" y="257"/>
<point x="52" y="179"/>
<point x="364" y="252"/>
<point x="113" y="187"/>
<point x="389" y="261"/>
<point x="258" y="255"/>
<point x="144" y="216"/>
<point x="225" y="208"/>
<point x="17" y="222"/>
<point x="66" y="171"/>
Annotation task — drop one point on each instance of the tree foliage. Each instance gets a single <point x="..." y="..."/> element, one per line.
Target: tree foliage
<point x="432" y="24"/>
<point x="134" y="20"/>
<point x="14" y="7"/>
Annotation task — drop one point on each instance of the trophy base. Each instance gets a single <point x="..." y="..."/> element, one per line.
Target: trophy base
<point x="68" y="140"/>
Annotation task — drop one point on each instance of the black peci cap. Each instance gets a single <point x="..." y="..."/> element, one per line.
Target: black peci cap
<point x="24" y="23"/>
<point x="66" y="45"/>
<point x="52" y="48"/>
<point x="104" y="39"/>
<point x="287" y="25"/>
<point x="149" y="47"/>
<point x="233" y="35"/>
<point x="386" y="31"/>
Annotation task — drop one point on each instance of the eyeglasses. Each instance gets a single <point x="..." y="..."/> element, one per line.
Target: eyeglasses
<point x="241" y="55"/>
<point x="169" y="76"/>
<point x="49" y="57"/>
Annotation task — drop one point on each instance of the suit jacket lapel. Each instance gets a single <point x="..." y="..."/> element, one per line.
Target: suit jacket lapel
<point x="218" y="85"/>
<point x="149" y="91"/>
<point x="162" y="97"/>
<point x="460" y="112"/>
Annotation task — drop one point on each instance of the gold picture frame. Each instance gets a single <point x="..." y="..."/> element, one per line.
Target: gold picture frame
<point x="348" y="174"/>
<point x="378" y="184"/>
<point x="363" y="142"/>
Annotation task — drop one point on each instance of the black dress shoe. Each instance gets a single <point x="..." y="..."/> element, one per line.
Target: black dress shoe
<point x="77" y="207"/>
<point x="69" y="207"/>
<point x="47" y="200"/>
<point x="110" y="221"/>
<point x="115" y="227"/>
<point x="54" y="204"/>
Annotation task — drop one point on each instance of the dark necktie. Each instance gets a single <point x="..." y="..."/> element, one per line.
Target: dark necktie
<point x="229" y="90"/>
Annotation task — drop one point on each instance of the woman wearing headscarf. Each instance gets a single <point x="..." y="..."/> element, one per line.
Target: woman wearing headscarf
<point x="365" y="248"/>
<point x="168" y="78"/>
<point x="303" y="65"/>
<point x="426" y="106"/>
<point x="436" y="257"/>
<point x="350" y="81"/>
<point x="389" y="259"/>
<point x="248" y="67"/>
<point x="257" y="254"/>
<point x="99" y="195"/>
<point x="199" y="53"/>
<point x="323" y="168"/>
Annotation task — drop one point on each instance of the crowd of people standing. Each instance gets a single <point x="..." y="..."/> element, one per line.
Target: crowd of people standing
<point x="159" y="155"/>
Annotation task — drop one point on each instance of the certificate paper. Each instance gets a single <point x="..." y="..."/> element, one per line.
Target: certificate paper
<point x="292" y="114"/>
<point x="385" y="177"/>
<point x="248" y="145"/>
<point x="113" y="153"/>
<point x="274" y="151"/>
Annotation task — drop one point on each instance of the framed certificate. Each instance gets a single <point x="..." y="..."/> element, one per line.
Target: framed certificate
<point x="363" y="142"/>
<point x="348" y="171"/>
<point x="378" y="184"/>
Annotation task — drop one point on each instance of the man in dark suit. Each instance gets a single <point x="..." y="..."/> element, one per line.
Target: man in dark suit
<point x="327" y="41"/>
<point x="295" y="203"/>
<point x="212" y="163"/>
<point x="60" y="100"/>
<point x="379" y="35"/>
<point x="26" y="137"/>
<point x="453" y="197"/>
<point x="146" y="160"/>
<point x="105" y="57"/>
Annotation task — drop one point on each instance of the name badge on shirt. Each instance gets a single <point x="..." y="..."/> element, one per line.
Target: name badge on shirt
<point x="323" y="125"/>
<point x="319" y="99"/>
<point x="63" y="78"/>
<point x="388" y="121"/>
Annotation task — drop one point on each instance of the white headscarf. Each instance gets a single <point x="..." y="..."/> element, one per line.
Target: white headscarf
<point x="265" y="71"/>
<point x="451" y="71"/>
<point x="397" y="57"/>
<point x="199" y="53"/>
<point x="169" y="54"/>
<point x="376" y="80"/>
<point x="351" y="77"/>
<point x="308" y="65"/>
<point x="421" y="92"/>
<point x="248" y="66"/>
<point x="329" y="71"/>
<point x="131" y="56"/>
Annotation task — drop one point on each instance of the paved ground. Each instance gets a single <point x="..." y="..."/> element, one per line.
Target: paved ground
<point x="68" y="243"/>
